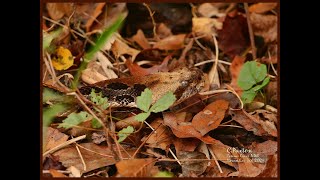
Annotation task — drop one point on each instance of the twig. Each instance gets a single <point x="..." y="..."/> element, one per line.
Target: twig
<point x="253" y="46"/>
<point x="82" y="160"/>
<point x="94" y="151"/>
<point x="213" y="60"/>
<point x="234" y="92"/>
<point x="153" y="22"/>
<point x="215" y="160"/>
<point x="175" y="157"/>
<point x="213" y="70"/>
<point x="230" y="126"/>
<point x="64" y="144"/>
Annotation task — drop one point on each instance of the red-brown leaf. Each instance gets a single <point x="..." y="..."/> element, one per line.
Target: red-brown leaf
<point x="186" y="144"/>
<point x="135" y="167"/>
<point x="54" y="138"/>
<point x="141" y="39"/>
<point x="162" y="138"/>
<point x="173" y="42"/>
<point x="210" y="117"/>
<point x="235" y="68"/>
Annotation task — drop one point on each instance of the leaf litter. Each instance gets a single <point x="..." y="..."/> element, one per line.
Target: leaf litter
<point x="229" y="129"/>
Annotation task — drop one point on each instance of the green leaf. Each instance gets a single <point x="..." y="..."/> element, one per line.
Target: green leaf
<point x="106" y="34"/>
<point x="263" y="84"/>
<point x="251" y="73"/>
<point x="74" y="119"/>
<point x="164" y="174"/>
<point x="48" y="37"/>
<point x="142" y="116"/>
<point x="144" y="100"/>
<point x="248" y="96"/>
<point x="51" y="112"/>
<point x="163" y="103"/>
<point x="51" y="95"/>
<point x="95" y="124"/>
<point x="99" y="100"/>
<point x="124" y="133"/>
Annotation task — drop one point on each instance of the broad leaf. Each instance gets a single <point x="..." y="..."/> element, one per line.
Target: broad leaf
<point x="144" y="100"/>
<point x="142" y="116"/>
<point x="95" y="123"/>
<point x="99" y="100"/>
<point x="124" y="133"/>
<point x="248" y="96"/>
<point x="163" y="103"/>
<point x="263" y="84"/>
<point x="251" y="73"/>
<point x="74" y="119"/>
<point x="164" y="174"/>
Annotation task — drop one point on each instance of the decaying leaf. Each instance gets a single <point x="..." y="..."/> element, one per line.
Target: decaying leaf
<point x="271" y="169"/>
<point x="63" y="59"/>
<point x="257" y="126"/>
<point x="184" y="130"/>
<point x="94" y="156"/>
<point x="191" y="167"/>
<point x="222" y="153"/>
<point x="163" y="31"/>
<point x="265" y="148"/>
<point x="162" y="138"/>
<point x="185" y="144"/>
<point x="210" y="117"/>
<point x="141" y="39"/>
<point x="248" y="168"/>
<point x="135" y="167"/>
<point x="262" y="7"/>
<point x="208" y="10"/>
<point x="54" y="138"/>
<point x="265" y="26"/>
<point x="235" y="69"/>
<point x="173" y="42"/>
<point x="136" y="70"/>
<point x="57" y="10"/>
<point x="120" y="48"/>
<point x="205" y="26"/>
<point x="56" y="173"/>
<point x="234" y="37"/>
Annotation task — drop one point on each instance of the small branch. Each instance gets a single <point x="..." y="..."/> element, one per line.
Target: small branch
<point x="253" y="46"/>
<point x="215" y="160"/>
<point x="213" y="70"/>
<point x="175" y="157"/>
<point x="213" y="60"/>
<point x="153" y="22"/>
<point x="82" y="160"/>
<point x="64" y="144"/>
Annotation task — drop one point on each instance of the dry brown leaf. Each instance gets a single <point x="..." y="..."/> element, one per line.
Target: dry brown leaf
<point x="265" y="148"/>
<point x="184" y="130"/>
<point x="136" y="70"/>
<point x="120" y="48"/>
<point x="96" y="157"/>
<point x="210" y="117"/>
<point x="129" y="121"/>
<point x="91" y="76"/>
<point x="162" y="138"/>
<point x="266" y="115"/>
<point x="96" y="12"/>
<point x="75" y="172"/>
<point x="222" y="153"/>
<point x="247" y="168"/>
<point x="271" y="169"/>
<point x="257" y="126"/>
<point x="54" y="138"/>
<point x="141" y="39"/>
<point x="208" y="10"/>
<point x="135" y="167"/>
<point x="213" y="170"/>
<point x="186" y="144"/>
<point x="192" y="168"/>
<point x="205" y="26"/>
<point x="262" y="7"/>
<point x="173" y="42"/>
<point x="163" y="31"/>
<point x="57" y="10"/>
<point x="265" y="26"/>
<point x="235" y="69"/>
<point x="56" y="173"/>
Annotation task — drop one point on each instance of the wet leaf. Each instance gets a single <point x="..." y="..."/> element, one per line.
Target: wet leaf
<point x="63" y="59"/>
<point x="210" y="117"/>
<point x="173" y="42"/>
<point x="135" y="167"/>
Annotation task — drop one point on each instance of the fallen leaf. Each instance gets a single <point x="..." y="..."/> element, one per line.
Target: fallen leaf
<point x="174" y="42"/>
<point x="120" y="48"/>
<point x="162" y="137"/>
<point x="262" y="7"/>
<point x="141" y="39"/>
<point x="54" y="138"/>
<point x="163" y="31"/>
<point x="98" y="138"/>
<point x="184" y="130"/>
<point x="271" y="169"/>
<point x="265" y="148"/>
<point x="98" y="9"/>
<point x="210" y="117"/>
<point x="265" y="26"/>
<point x="190" y="167"/>
<point x="233" y="100"/>
<point x="135" y="167"/>
<point x="95" y="157"/>
<point x="63" y="59"/>
<point x="265" y="115"/>
<point x="186" y="144"/>
<point x="222" y="153"/>
<point x="235" y="69"/>
<point x="52" y="162"/>
<point x="214" y="171"/>
<point x="136" y="70"/>
<point x="129" y="121"/>
<point x="75" y="172"/>
<point x="257" y="126"/>
<point x="56" y="173"/>
<point x="233" y="38"/>
<point x="57" y="10"/>
<point x="249" y="169"/>
<point x="208" y="10"/>
<point x="205" y="26"/>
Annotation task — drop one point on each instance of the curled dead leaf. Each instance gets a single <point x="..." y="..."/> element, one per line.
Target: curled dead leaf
<point x="54" y="138"/>
<point x="191" y="167"/>
<point x="262" y="7"/>
<point x="135" y="167"/>
<point x="140" y="38"/>
<point x="173" y="42"/>
<point x="162" y="138"/>
<point x="120" y="48"/>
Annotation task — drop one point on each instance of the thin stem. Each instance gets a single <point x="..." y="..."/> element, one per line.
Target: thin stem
<point x="64" y="144"/>
<point x="253" y="46"/>
<point x="153" y="22"/>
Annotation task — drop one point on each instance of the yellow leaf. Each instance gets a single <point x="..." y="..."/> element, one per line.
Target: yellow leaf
<point x="63" y="59"/>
